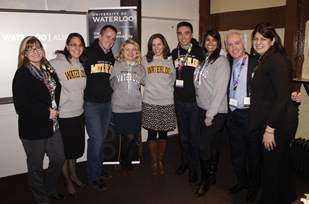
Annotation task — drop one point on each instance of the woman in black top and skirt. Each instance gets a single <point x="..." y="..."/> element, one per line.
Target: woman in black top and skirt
<point x="273" y="111"/>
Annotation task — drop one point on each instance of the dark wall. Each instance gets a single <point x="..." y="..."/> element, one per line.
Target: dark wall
<point x="292" y="17"/>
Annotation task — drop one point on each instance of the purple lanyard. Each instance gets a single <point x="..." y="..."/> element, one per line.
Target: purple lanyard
<point x="182" y="63"/>
<point x="237" y="79"/>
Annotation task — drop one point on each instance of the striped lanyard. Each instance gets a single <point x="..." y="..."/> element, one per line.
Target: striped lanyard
<point x="237" y="78"/>
<point x="182" y="63"/>
<point x="202" y="67"/>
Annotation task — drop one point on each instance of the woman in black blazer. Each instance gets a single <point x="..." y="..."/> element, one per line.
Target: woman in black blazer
<point x="273" y="111"/>
<point x="36" y="93"/>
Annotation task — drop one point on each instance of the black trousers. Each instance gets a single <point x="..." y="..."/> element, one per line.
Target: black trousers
<point x="245" y="147"/>
<point x="210" y="135"/>
<point x="189" y="132"/>
<point x="278" y="178"/>
<point x="35" y="151"/>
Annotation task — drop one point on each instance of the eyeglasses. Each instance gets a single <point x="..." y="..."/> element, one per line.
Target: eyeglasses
<point x="75" y="45"/>
<point x="31" y="50"/>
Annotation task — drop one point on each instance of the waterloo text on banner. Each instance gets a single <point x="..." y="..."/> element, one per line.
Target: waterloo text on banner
<point x="123" y="18"/>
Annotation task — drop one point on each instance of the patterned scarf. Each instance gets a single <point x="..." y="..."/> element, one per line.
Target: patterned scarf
<point x="43" y="74"/>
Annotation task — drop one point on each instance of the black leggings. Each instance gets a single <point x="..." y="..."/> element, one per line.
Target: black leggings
<point x="126" y="152"/>
<point x="152" y="135"/>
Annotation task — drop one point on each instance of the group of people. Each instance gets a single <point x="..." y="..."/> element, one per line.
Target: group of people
<point x="81" y="87"/>
<point x="252" y="94"/>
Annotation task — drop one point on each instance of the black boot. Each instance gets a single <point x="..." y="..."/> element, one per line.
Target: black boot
<point x="205" y="181"/>
<point x="213" y="166"/>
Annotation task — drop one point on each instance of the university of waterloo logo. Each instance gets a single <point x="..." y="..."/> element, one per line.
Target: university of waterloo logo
<point x="191" y="62"/>
<point x="101" y="68"/>
<point x="159" y="69"/>
<point x="74" y="73"/>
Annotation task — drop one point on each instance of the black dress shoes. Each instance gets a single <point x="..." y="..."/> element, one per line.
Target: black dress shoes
<point x="180" y="170"/>
<point x="75" y="194"/>
<point x="192" y="177"/>
<point x="105" y="175"/>
<point x="236" y="189"/>
<point x="58" y="196"/>
<point x="251" y="196"/>
<point x="98" y="184"/>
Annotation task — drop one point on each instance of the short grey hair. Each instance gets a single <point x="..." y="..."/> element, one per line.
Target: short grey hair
<point x="234" y="31"/>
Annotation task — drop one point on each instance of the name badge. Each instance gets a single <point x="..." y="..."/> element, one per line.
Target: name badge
<point x="179" y="83"/>
<point x="233" y="102"/>
<point x="247" y="101"/>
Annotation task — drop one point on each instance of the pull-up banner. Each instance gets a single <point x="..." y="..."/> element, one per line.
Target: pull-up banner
<point x="123" y="18"/>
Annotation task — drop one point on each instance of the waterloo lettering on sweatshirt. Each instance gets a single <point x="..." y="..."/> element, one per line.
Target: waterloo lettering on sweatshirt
<point x="187" y="93"/>
<point x="159" y="81"/>
<point x="73" y="81"/>
<point x="126" y="82"/>
<point x="98" y="69"/>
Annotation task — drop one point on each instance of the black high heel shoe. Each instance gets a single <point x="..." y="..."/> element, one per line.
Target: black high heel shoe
<point x="75" y="194"/>
<point x="80" y="186"/>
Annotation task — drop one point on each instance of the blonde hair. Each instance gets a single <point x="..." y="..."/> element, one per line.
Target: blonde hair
<point x="138" y="59"/>
<point x="25" y="44"/>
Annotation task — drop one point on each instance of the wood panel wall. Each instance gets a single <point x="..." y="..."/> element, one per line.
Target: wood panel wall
<point x="292" y="17"/>
<point x="138" y="4"/>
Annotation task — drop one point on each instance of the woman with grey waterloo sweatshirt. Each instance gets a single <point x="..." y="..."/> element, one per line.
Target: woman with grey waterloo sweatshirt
<point x="69" y="65"/>
<point x="158" y="115"/>
<point x="126" y="78"/>
<point x="211" y="79"/>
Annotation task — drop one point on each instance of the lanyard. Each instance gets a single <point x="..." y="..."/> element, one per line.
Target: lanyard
<point x="182" y="63"/>
<point x="237" y="79"/>
<point x="199" y="72"/>
<point x="252" y="75"/>
<point x="202" y="67"/>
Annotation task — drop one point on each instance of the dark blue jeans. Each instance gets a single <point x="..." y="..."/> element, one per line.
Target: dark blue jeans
<point x="189" y="132"/>
<point x="97" y="117"/>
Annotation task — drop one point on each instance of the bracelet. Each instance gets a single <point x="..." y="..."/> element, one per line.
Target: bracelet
<point x="269" y="132"/>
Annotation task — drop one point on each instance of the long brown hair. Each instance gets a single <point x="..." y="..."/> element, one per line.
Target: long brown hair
<point x="26" y="43"/>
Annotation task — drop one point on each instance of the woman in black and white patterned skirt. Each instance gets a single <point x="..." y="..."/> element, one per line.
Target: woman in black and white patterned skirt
<point x="158" y="111"/>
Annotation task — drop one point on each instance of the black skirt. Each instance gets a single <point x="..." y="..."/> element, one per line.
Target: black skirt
<point x="73" y="136"/>
<point x="128" y="123"/>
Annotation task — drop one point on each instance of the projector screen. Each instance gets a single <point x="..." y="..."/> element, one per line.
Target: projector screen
<point x="50" y="27"/>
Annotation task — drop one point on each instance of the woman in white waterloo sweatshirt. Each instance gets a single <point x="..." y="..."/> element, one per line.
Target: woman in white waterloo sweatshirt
<point x="69" y="65"/>
<point x="126" y="100"/>
<point x="158" y="115"/>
